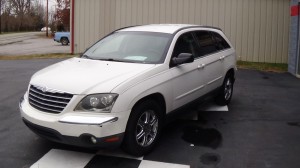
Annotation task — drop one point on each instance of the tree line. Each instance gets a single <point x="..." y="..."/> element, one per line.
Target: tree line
<point x="30" y="15"/>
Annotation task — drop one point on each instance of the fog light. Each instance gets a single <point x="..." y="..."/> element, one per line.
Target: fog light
<point x="93" y="140"/>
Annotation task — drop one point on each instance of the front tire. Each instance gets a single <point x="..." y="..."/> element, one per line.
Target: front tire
<point x="143" y="128"/>
<point x="226" y="91"/>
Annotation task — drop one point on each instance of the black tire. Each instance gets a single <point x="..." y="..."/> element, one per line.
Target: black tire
<point x="224" y="96"/>
<point x="143" y="128"/>
<point x="64" y="41"/>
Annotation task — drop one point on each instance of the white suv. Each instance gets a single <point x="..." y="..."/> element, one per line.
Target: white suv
<point x="120" y="90"/>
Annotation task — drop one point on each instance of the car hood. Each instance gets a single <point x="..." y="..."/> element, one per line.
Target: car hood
<point x="80" y="76"/>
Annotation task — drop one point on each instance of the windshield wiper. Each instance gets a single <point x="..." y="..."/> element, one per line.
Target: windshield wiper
<point x="86" y="57"/>
<point x="111" y="59"/>
<point x="107" y="59"/>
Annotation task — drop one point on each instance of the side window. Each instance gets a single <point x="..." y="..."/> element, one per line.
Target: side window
<point x="186" y="44"/>
<point x="206" y="42"/>
<point x="221" y="42"/>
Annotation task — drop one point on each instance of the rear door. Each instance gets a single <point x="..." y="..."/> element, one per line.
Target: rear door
<point x="212" y="59"/>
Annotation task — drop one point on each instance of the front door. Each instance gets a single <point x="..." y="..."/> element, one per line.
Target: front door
<point x="188" y="79"/>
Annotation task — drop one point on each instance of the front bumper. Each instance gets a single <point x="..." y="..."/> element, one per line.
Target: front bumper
<point x="84" y="140"/>
<point x="73" y="128"/>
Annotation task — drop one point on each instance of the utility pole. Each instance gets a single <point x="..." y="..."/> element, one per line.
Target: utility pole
<point x="46" y="19"/>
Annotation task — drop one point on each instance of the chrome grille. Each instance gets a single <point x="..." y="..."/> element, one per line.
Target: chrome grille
<point x="48" y="101"/>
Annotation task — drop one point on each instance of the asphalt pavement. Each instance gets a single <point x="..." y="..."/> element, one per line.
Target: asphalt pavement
<point x="29" y="43"/>
<point x="260" y="130"/>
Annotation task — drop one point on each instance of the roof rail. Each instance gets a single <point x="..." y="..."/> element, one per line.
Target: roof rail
<point x="212" y="27"/>
<point x="125" y="27"/>
<point x="197" y="26"/>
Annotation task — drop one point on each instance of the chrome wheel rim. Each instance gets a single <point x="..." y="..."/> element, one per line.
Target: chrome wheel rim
<point x="65" y="42"/>
<point x="146" y="129"/>
<point x="228" y="89"/>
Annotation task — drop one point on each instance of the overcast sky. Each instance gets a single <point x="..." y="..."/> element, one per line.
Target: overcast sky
<point x="52" y="3"/>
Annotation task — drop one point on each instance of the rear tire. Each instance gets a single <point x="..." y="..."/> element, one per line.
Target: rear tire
<point x="143" y="128"/>
<point x="226" y="91"/>
<point x="64" y="41"/>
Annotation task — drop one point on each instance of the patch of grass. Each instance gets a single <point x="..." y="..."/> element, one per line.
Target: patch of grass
<point x="37" y="56"/>
<point x="272" y="67"/>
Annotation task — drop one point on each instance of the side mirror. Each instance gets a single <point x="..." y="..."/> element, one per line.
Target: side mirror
<point x="183" y="58"/>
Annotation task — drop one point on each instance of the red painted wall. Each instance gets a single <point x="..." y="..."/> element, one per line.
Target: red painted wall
<point x="295" y="10"/>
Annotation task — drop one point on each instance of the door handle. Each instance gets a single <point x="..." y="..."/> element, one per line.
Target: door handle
<point x="222" y="57"/>
<point x="201" y="66"/>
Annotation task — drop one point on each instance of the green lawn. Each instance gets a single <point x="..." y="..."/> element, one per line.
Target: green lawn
<point x="274" y="67"/>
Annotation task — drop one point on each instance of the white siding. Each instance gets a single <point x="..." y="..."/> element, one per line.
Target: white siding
<point x="258" y="29"/>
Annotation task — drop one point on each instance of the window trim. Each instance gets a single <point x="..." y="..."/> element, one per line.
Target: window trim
<point x="213" y="38"/>
<point x="172" y="56"/>
<point x="196" y="29"/>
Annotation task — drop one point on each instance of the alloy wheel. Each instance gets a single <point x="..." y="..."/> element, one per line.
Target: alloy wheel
<point x="147" y="128"/>
<point x="228" y="89"/>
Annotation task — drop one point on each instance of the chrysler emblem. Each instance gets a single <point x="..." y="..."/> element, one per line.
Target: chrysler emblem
<point x="44" y="89"/>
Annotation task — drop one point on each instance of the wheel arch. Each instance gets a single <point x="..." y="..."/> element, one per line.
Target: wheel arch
<point x="231" y="72"/>
<point x="130" y="143"/>
<point x="157" y="97"/>
<point x="64" y="37"/>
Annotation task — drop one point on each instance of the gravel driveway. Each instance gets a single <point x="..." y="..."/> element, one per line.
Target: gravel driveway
<point x="29" y="43"/>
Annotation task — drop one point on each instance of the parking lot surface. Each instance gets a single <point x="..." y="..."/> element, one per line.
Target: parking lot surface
<point x="261" y="129"/>
<point x="29" y="43"/>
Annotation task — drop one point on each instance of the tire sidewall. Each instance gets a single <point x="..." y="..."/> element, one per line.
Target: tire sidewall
<point x="64" y="41"/>
<point x="221" y="96"/>
<point x="130" y="144"/>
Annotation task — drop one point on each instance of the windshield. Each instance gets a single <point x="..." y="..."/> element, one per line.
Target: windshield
<point x="139" y="47"/>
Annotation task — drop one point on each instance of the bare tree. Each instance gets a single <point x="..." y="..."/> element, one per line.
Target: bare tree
<point x="37" y="14"/>
<point x="62" y="15"/>
<point x="20" y="8"/>
<point x="22" y="15"/>
<point x="2" y="3"/>
<point x="63" y="4"/>
<point x="0" y="16"/>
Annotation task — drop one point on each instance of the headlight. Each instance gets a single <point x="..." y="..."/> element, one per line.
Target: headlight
<point x="97" y="103"/>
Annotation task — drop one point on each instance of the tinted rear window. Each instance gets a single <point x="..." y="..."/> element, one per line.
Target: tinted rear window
<point x="221" y="42"/>
<point x="206" y="42"/>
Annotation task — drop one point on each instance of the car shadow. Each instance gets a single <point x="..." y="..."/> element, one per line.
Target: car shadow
<point x="192" y="136"/>
<point x="189" y="132"/>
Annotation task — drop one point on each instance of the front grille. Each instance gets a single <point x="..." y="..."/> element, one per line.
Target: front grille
<point x="48" y="101"/>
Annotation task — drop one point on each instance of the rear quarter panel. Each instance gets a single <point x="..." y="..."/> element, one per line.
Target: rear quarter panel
<point x="59" y="35"/>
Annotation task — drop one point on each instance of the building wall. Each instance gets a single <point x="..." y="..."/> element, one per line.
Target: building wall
<point x="294" y="40"/>
<point x="259" y="29"/>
